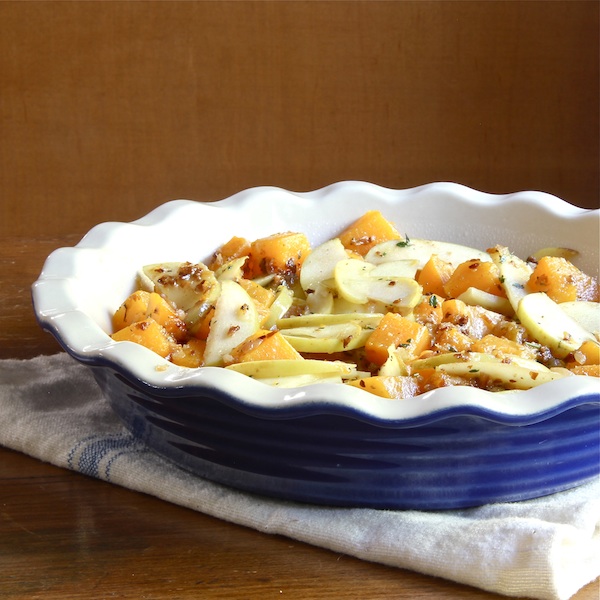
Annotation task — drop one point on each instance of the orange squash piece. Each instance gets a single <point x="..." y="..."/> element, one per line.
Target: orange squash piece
<point x="455" y="311"/>
<point x="403" y="333"/>
<point x="397" y="387"/>
<point x="368" y="231"/>
<point x="142" y="305"/>
<point x="432" y="379"/>
<point x="162" y="312"/>
<point x="148" y="333"/>
<point x="484" y="276"/>
<point x="589" y="370"/>
<point x="135" y="308"/>
<point x="236" y="247"/>
<point x="202" y="328"/>
<point x="190" y="354"/>
<point x="281" y="253"/>
<point x="502" y="347"/>
<point x="429" y="311"/>
<point x="588" y="354"/>
<point x="451" y="339"/>
<point x="263" y="297"/>
<point x="562" y="281"/>
<point x="264" y="345"/>
<point x="434" y="275"/>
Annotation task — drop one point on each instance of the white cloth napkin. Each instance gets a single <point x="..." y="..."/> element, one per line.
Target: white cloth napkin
<point x="548" y="548"/>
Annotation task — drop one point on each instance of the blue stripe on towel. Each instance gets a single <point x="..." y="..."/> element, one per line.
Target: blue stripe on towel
<point x="95" y="455"/>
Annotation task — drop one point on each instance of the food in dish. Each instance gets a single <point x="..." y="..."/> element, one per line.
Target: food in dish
<point x="371" y="308"/>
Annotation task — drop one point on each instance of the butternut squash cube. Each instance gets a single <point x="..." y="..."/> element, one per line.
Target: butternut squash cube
<point x="484" y="276"/>
<point x="588" y="353"/>
<point x="281" y="254"/>
<point x="434" y="275"/>
<point x="236" y="247"/>
<point x="407" y="336"/>
<point x="148" y="333"/>
<point x="263" y="297"/>
<point x="429" y="311"/>
<point x="135" y="308"/>
<point x="264" y="345"/>
<point x="367" y="231"/>
<point x="451" y="339"/>
<point x="501" y="347"/>
<point x="393" y="387"/>
<point x="589" y="370"/>
<point x="142" y="305"/>
<point x="562" y="281"/>
<point x="190" y="354"/>
<point x="162" y="312"/>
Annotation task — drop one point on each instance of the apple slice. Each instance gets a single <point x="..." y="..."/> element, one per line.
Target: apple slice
<point x="191" y="287"/>
<point x="510" y="374"/>
<point x="421" y="251"/>
<point x="233" y="269"/>
<point x="263" y="369"/>
<point x="235" y="319"/>
<point x="284" y="298"/>
<point x="356" y="283"/>
<point x="550" y="325"/>
<point x="319" y="265"/>
<point x="587" y="314"/>
<point x="327" y="339"/>
<point x="514" y="274"/>
<point x="366" y="320"/>
<point x="397" y="268"/>
<point x="476" y="297"/>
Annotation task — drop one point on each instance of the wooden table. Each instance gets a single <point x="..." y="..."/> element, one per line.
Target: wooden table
<point x="64" y="535"/>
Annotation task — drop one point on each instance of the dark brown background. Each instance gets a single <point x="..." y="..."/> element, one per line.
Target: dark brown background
<point x="108" y="109"/>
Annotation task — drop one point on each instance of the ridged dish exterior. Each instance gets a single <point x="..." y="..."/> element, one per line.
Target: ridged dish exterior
<point x="450" y="461"/>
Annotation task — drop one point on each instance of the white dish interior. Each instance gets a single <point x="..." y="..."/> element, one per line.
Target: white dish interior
<point x="80" y="288"/>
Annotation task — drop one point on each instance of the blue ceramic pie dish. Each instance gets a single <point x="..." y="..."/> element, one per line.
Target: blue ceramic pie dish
<point x="328" y="443"/>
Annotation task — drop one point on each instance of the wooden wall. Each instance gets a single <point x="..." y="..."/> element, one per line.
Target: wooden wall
<point x="108" y="109"/>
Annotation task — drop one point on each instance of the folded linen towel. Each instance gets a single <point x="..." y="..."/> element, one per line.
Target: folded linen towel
<point x="547" y="548"/>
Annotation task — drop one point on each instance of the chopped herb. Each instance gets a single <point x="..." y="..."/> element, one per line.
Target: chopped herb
<point x="474" y="371"/>
<point x="533" y="345"/>
<point x="519" y="285"/>
<point x="405" y="242"/>
<point x="433" y="301"/>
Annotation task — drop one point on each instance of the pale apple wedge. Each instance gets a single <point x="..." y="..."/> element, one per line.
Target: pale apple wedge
<point x="190" y="287"/>
<point x="366" y="320"/>
<point x="284" y="298"/>
<point x="475" y="297"/>
<point x="235" y="319"/>
<point x="422" y="250"/>
<point x="327" y="339"/>
<point x="587" y="314"/>
<point x="550" y="325"/>
<point x="277" y="368"/>
<point x="514" y="274"/>
<point x="507" y="375"/>
<point x="356" y="283"/>
<point x="320" y="264"/>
